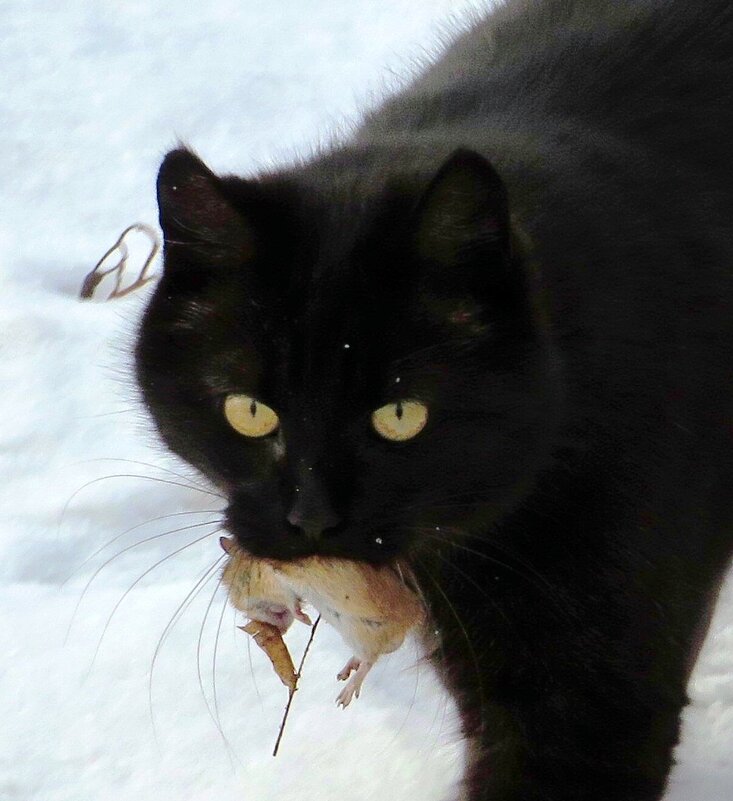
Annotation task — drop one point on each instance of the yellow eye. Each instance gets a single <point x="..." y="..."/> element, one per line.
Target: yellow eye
<point x="401" y="420"/>
<point x="249" y="417"/>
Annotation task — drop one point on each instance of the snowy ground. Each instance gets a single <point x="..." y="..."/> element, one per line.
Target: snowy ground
<point x="92" y="96"/>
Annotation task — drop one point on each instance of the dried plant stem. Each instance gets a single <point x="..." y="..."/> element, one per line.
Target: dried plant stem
<point x="95" y="277"/>
<point x="292" y="692"/>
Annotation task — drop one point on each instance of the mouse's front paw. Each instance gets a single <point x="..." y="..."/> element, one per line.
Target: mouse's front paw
<point x="352" y="665"/>
<point x="353" y="686"/>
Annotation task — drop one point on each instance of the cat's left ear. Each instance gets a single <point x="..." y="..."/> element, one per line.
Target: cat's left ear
<point x="462" y="232"/>
<point x="200" y="220"/>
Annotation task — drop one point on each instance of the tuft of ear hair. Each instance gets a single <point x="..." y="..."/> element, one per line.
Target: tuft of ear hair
<point x="197" y="216"/>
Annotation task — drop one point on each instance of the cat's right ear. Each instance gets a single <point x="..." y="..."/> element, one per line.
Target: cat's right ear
<point x="198" y="218"/>
<point x="462" y="239"/>
<point x="464" y="211"/>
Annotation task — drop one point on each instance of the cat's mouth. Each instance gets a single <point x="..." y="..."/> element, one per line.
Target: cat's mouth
<point x="287" y="546"/>
<point x="262" y="531"/>
<point x="276" y="589"/>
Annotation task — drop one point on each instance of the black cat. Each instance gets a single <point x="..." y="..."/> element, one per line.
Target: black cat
<point x="491" y="334"/>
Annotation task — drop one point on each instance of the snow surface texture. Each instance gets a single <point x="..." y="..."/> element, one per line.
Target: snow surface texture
<point x="93" y="95"/>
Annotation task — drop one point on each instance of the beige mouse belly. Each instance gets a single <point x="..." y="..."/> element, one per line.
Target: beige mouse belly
<point x="371" y="607"/>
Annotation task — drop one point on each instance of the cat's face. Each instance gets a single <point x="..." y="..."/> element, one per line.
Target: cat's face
<point x="358" y="369"/>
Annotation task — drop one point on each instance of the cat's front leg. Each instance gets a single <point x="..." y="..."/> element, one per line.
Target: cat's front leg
<point x="583" y="708"/>
<point x="554" y="738"/>
<point x="547" y="758"/>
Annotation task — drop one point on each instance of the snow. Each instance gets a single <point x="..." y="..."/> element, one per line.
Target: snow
<point x="93" y="95"/>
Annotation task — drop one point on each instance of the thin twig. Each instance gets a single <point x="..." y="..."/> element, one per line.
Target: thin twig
<point x="292" y="692"/>
<point x="96" y="276"/>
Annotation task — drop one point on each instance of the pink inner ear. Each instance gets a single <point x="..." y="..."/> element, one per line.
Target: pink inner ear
<point x="461" y="316"/>
<point x="465" y="316"/>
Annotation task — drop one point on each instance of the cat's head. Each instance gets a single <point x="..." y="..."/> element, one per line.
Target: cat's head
<point x="351" y="356"/>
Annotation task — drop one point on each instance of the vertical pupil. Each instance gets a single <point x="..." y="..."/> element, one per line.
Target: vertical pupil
<point x="253" y="408"/>
<point x="398" y="410"/>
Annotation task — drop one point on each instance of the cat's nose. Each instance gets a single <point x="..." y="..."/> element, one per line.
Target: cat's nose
<point x="311" y="511"/>
<point x="313" y="523"/>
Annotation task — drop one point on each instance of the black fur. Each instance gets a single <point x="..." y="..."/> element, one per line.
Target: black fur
<point x="535" y="238"/>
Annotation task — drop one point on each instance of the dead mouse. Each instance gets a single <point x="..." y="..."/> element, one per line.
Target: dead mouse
<point x="373" y="608"/>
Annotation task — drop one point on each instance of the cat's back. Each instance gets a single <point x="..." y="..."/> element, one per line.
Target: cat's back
<point x="659" y="72"/>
